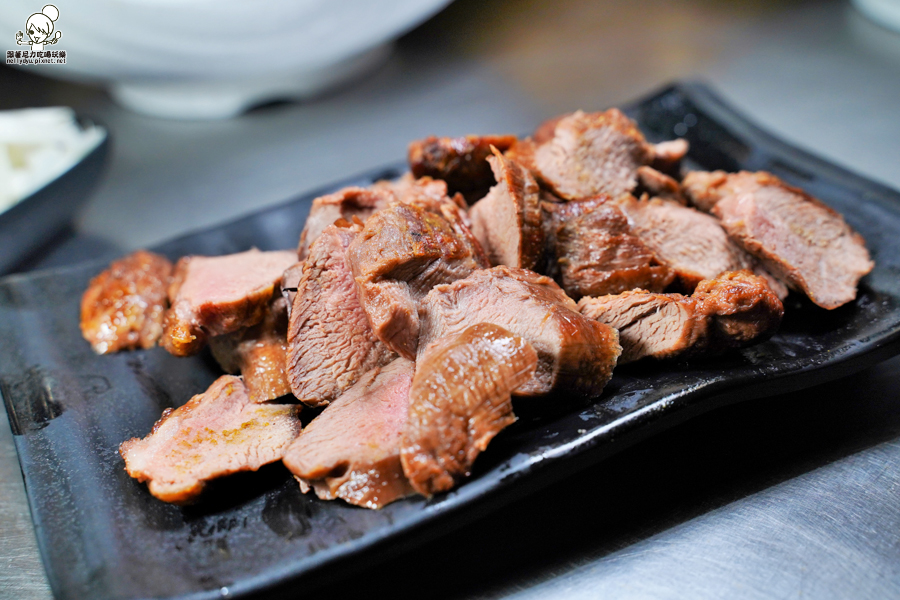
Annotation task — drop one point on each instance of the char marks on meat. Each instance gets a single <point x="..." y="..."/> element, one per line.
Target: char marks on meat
<point x="596" y="253"/>
<point x="575" y="354"/>
<point x="795" y="236"/>
<point x="404" y="251"/>
<point x="215" y="295"/>
<point x="344" y="204"/>
<point x="352" y="449"/>
<point x="460" y="161"/>
<point x="460" y="400"/>
<point x="507" y="221"/>
<point x="124" y="307"/>
<point x="258" y="353"/>
<point x="692" y="243"/>
<point x="330" y="342"/>
<point x="733" y="310"/>
<point x="214" y="434"/>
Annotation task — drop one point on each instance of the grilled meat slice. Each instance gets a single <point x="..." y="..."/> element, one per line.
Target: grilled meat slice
<point x="460" y="400"/>
<point x="733" y="310"/>
<point x="258" y="353"/>
<point x="658" y="185"/>
<point x="667" y="157"/>
<point x="124" y="307"/>
<point x="404" y="251"/>
<point x="330" y="342"/>
<point x="460" y="161"/>
<point x="352" y="449"/>
<point x="596" y="253"/>
<point x="507" y="221"/>
<point x="344" y="204"/>
<point x="588" y="154"/>
<point x="215" y="295"/>
<point x="575" y="354"/>
<point x="216" y="433"/>
<point x="795" y="236"/>
<point x="692" y="243"/>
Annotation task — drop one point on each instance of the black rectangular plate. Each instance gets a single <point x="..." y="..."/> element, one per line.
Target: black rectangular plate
<point x="103" y="536"/>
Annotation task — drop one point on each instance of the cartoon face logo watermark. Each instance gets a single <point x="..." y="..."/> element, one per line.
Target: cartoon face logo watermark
<point x="40" y="31"/>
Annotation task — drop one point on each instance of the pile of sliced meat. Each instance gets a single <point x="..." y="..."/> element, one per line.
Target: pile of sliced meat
<point x="415" y="311"/>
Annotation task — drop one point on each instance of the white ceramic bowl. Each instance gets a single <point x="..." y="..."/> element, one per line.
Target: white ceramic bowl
<point x="216" y="58"/>
<point x="883" y="12"/>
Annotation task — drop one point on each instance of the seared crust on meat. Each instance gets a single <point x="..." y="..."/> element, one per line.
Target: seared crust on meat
<point x="124" y="307"/>
<point x="575" y="354"/>
<point x="460" y="400"/>
<point x="258" y="353"/>
<point x="733" y="310"/>
<point x="216" y="433"/>
<point x="460" y="161"/>
<point x="795" y="236"/>
<point x="346" y="204"/>
<point x="595" y="252"/>
<point x="220" y="294"/>
<point x="404" y="251"/>
<point x="507" y="222"/>
<point x="352" y="449"/>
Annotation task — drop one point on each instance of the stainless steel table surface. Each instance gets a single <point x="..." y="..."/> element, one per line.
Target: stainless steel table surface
<point x="796" y="496"/>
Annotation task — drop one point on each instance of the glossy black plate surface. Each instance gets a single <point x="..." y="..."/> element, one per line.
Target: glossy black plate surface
<point x="32" y="223"/>
<point x="103" y="536"/>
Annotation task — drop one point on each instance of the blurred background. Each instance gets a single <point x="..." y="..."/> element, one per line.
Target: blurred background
<point x="665" y="519"/>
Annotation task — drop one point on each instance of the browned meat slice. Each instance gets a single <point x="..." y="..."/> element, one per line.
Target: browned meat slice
<point x="403" y="252"/>
<point x="507" y="221"/>
<point x="214" y="295"/>
<point x="592" y="153"/>
<point x="344" y="204"/>
<point x="705" y="188"/>
<point x="216" y="433"/>
<point x="258" y="354"/>
<point x="522" y="153"/>
<point x="352" y="450"/>
<point x="692" y="243"/>
<point x="667" y="157"/>
<point x="795" y="236"/>
<point x="596" y="252"/>
<point x="330" y="342"/>
<point x="733" y="310"/>
<point x="581" y="155"/>
<point x="460" y="400"/>
<point x="658" y="185"/>
<point x="124" y="306"/>
<point x="460" y="161"/>
<point x="574" y="353"/>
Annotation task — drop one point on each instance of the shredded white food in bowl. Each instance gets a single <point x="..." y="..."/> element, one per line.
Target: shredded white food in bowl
<point x="37" y="145"/>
